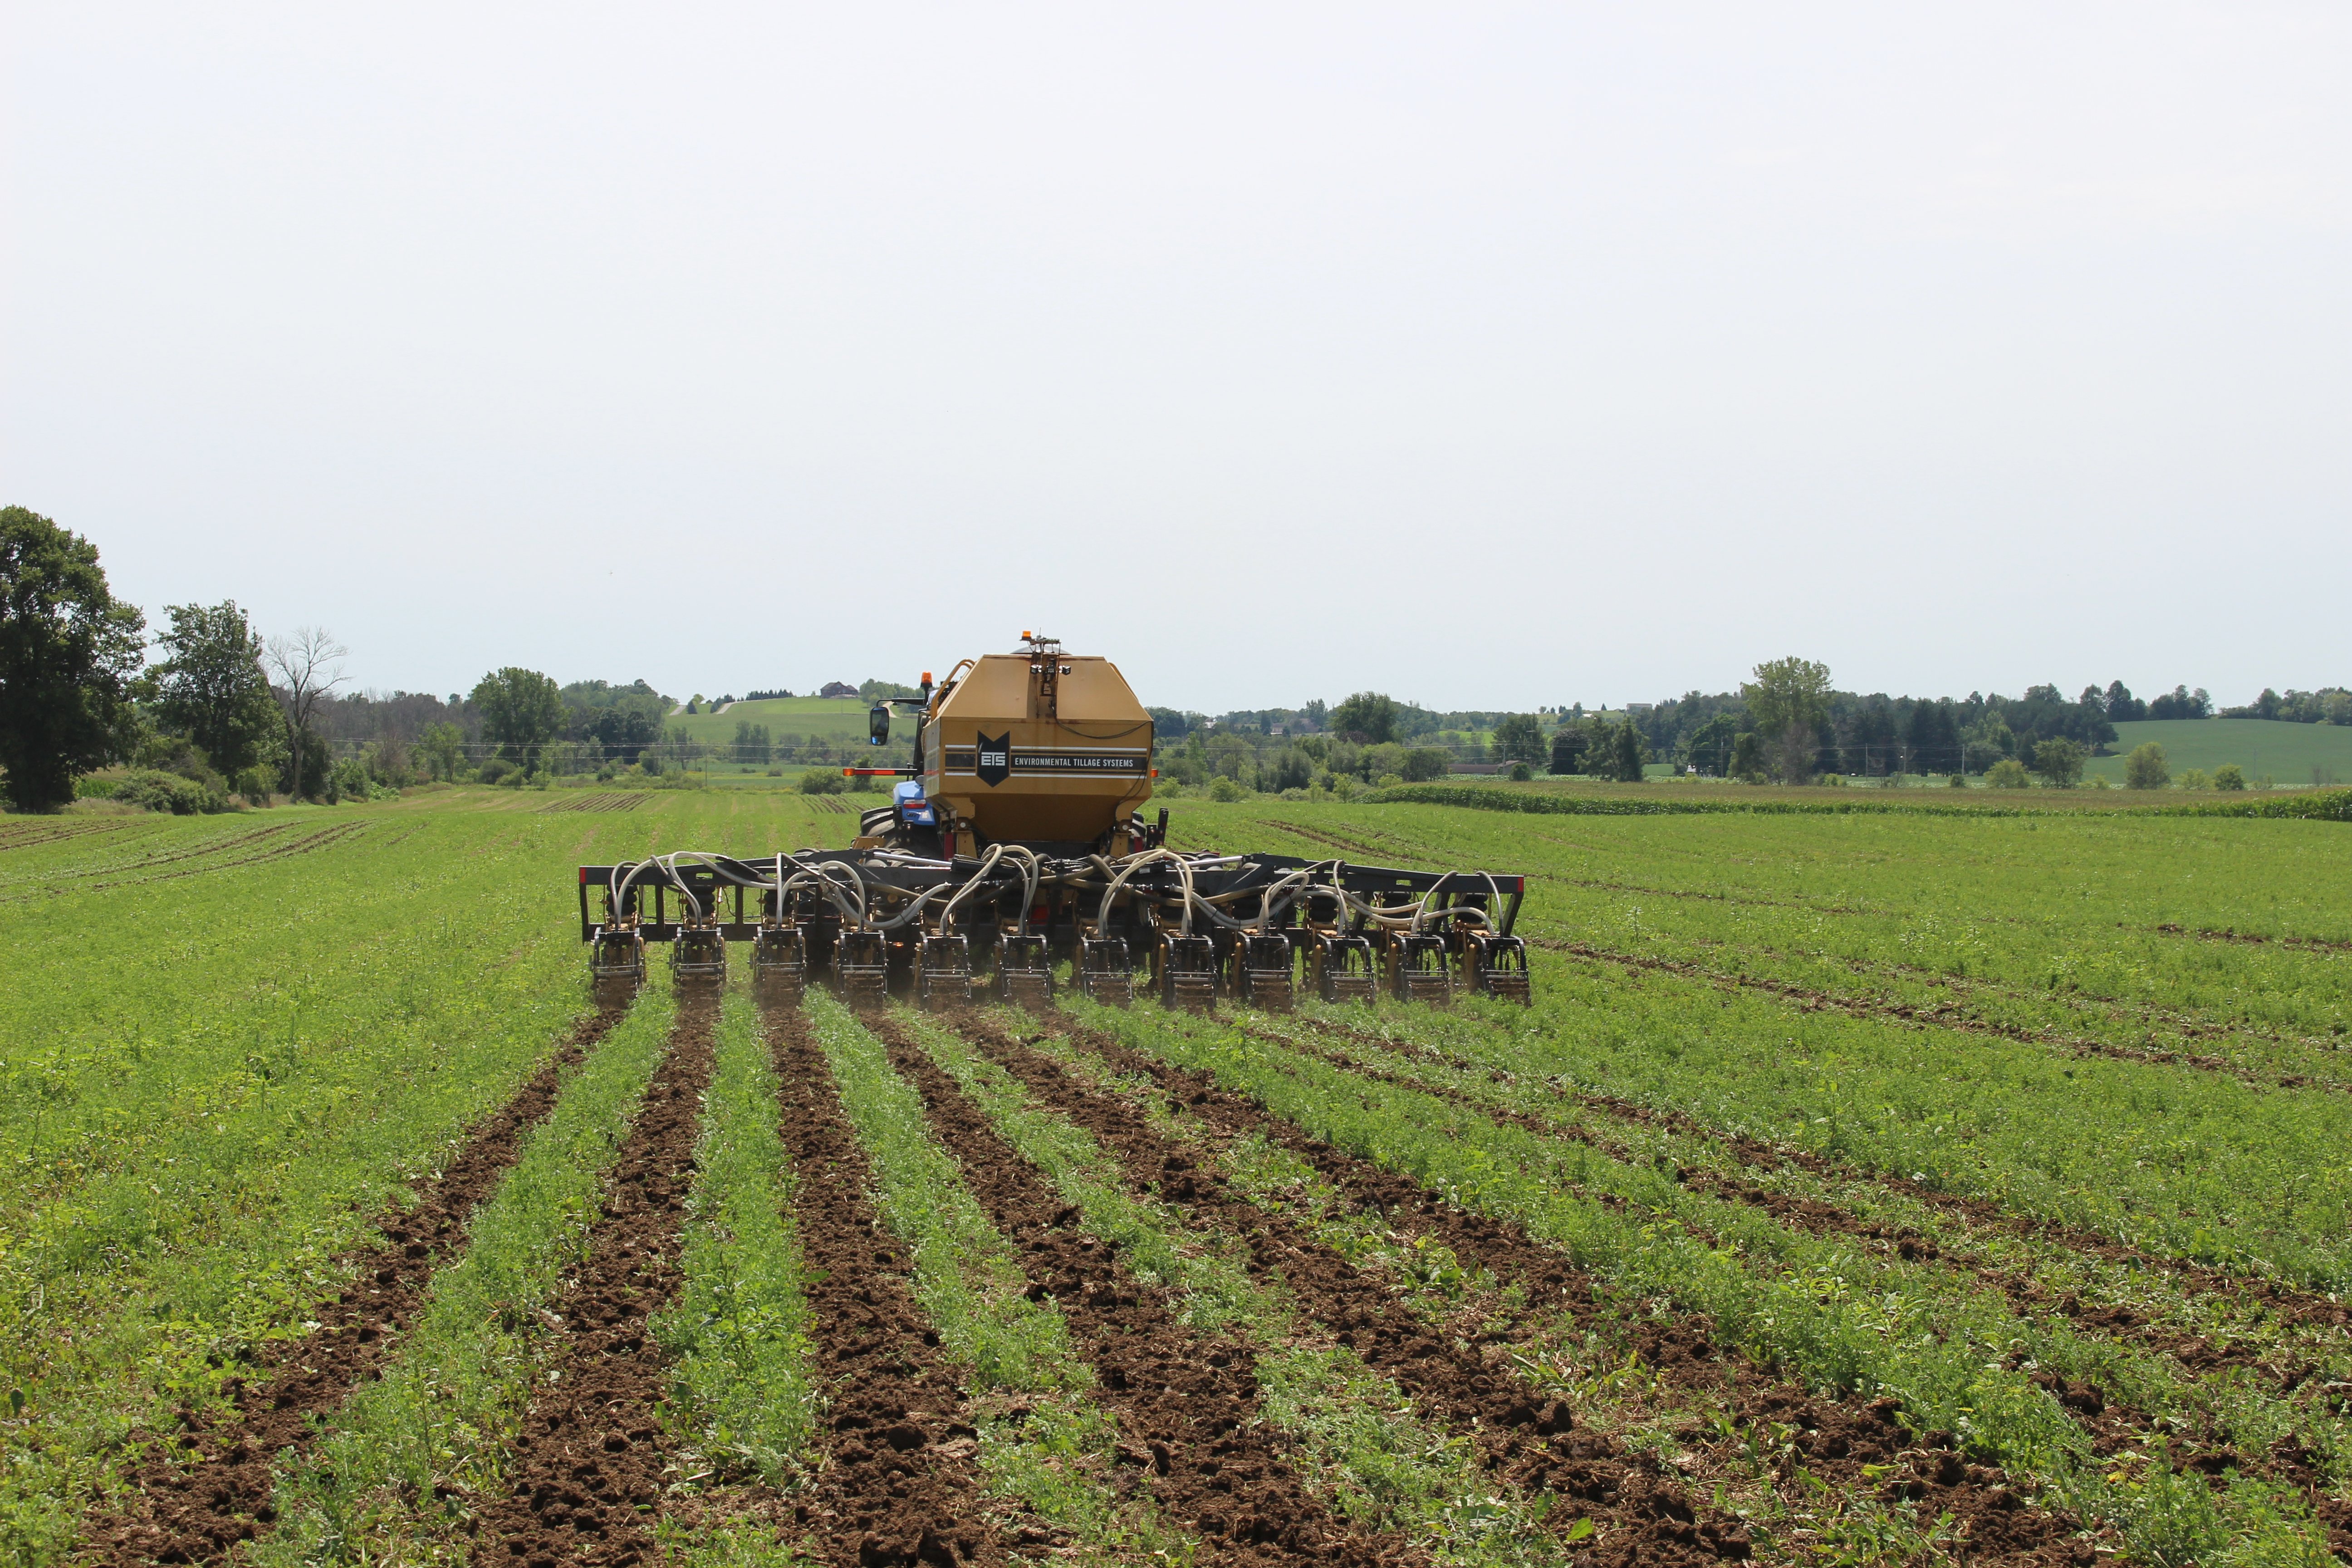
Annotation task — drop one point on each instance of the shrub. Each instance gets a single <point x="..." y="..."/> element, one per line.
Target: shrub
<point x="1520" y="773"/>
<point x="1226" y="790"/>
<point x="492" y="770"/>
<point x="2007" y="773"/>
<point x="2229" y="776"/>
<point x="2145" y="767"/>
<point x="2196" y="778"/>
<point x="1958" y="781"/>
<point x="153" y="791"/>
<point x="816" y="781"/>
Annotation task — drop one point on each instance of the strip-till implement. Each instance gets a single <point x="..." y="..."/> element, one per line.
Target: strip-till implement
<point x="1014" y="842"/>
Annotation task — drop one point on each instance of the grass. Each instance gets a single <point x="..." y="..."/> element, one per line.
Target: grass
<point x="739" y="1329"/>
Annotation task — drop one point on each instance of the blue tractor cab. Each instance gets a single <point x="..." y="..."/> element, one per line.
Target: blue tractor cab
<point x="914" y="810"/>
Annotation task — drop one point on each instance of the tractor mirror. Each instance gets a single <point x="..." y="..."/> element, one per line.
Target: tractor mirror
<point x="877" y="725"/>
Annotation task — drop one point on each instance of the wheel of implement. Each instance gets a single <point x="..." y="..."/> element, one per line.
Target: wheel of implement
<point x="1104" y="974"/>
<point x="943" y="973"/>
<point x="1417" y="969"/>
<point x="1497" y="966"/>
<point x="861" y="967"/>
<point x="617" y="967"/>
<point x="780" y="967"/>
<point x="1264" y="966"/>
<point x="1024" y="973"/>
<point x="1345" y="970"/>
<point x="1188" y="973"/>
<point x="697" y="958"/>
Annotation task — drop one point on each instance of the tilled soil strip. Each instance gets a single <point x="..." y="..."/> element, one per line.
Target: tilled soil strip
<point x="2112" y="1427"/>
<point x="900" y="1483"/>
<point x="1519" y="1435"/>
<point x="2301" y="1308"/>
<point x="195" y="1512"/>
<point x="1186" y="1404"/>
<point x="1946" y="1016"/>
<point x="587" y="1472"/>
<point x="2317" y="943"/>
<point x="279" y="850"/>
<point x="1835" y="1441"/>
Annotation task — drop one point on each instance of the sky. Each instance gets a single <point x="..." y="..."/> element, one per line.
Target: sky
<point x="1490" y="357"/>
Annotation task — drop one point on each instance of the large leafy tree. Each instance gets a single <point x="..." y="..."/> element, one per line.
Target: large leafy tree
<point x="2059" y="760"/>
<point x="1789" y="698"/>
<point x="1368" y="713"/>
<point x="521" y="711"/>
<point x="212" y="688"/>
<point x="68" y="652"/>
<point x="1518" y="738"/>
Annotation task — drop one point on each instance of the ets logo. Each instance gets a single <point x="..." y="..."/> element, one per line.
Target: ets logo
<point x="995" y="758"/>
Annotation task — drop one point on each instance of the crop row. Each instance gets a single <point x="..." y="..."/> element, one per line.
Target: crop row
<point x="1835" y="1316"/>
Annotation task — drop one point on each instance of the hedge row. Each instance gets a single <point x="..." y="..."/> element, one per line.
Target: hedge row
<point x="2327" y="805"/>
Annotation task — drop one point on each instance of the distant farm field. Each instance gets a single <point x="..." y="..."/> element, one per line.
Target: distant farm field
<point x="2288" y="753"/>
<point x="837" y="719"/>
<point x="1859" y="1189"/>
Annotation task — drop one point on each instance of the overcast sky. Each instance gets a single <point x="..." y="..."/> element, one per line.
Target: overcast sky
<point x="1488" y="356"/>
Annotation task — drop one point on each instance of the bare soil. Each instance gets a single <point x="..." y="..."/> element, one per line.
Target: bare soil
<point x="1186" y="1404"/>
<point x="1519" y="1432"/>
<point x="897" y="1482"/>
<point x="588" y="1469"/>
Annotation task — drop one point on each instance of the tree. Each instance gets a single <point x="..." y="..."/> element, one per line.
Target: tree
<point x="306" y="675"/>
<point x="68" y="652"/>
<point x="443" y="745"/>
<point x="2145" y="767"/>
<point x="752" y="741"/>
<point x="1420" y="764"/>
<point x="1789" y="698"/>
<point x="1518" y="738"/>
<point x="213" y="689"/>
<point x="2059" y="760"/>
<point x="1748" y="757"/>
<point x="1567" y="744"/>
<point x="2229" y="776"/>
<point x="1935" y="740"/>
<point x="1709" y="745"/>
<point x="1369" y="714"/>
<point x="2122" y="707"/>
<point x="521" y="711"/>
<point x="1623" y="754"/>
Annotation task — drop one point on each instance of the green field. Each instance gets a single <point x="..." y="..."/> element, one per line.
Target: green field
<point x="2288" y="753"/>
<point x="1871" y="1188"/>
